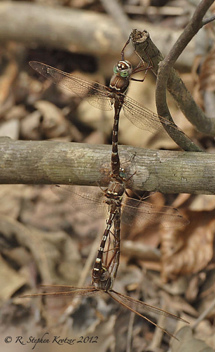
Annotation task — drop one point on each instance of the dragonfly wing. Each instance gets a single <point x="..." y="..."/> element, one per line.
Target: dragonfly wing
<point x="140" y="306"/>
<point x="144" y="118"/>
<point x="96" y="94"/>
<point x="88" y="200"/>
<point x="136" y="306"/>
<point x="63" y="290"/>
<point x="99" y="97"/>
<point x="145" y="213"/>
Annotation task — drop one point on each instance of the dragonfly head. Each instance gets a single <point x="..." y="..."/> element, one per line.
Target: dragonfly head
<point x="123" y="68"/>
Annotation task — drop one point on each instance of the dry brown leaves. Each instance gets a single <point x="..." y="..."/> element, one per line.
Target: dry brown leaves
<point x="185" y="251"/>
<point x="189" y="250"/>
<point x="205" y="81"/>
<point x="207" y="74"/>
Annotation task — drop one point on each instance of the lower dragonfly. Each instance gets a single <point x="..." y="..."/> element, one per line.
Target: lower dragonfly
<point x="103" y="277"/>
<point x="95" y="202"/>
<point x="105" y="269"/>
<point x="120" y="211"/>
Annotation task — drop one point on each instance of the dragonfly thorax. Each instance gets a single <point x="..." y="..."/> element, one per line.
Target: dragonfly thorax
<point x="115" y="190"/>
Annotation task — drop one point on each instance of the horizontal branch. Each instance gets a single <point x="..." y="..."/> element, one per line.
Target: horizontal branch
<point x="75" y="30"/>
<point x="51" y="162"/>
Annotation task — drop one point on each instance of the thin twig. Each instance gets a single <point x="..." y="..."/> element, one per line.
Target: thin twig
<point x="140" y="251"/>
<point x="90" y="260"/>
<point x="204" y="314"/>
<point x="189" y="32"/>
<point x="81" y="282"/>
<point x="130" y="331"/>
<point x="208" y="20"/>
<point x="158" y="334"/>
<point x="115" y="10"/>
<point x="154" y="10"/>
<point x="131" y="325"/>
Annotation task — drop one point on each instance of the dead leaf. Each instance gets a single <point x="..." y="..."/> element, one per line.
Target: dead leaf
<point x="10" y="129"/>
<point x="16" y="112"/>
<point x="44" y="209"/>
<point x="11" y="197"/>
<point x="189" y="250"/>
<point x="30" y="126"/>
<point x="54" y="253"/>
<point x="53" y="123"/>
<point x="187" y="342"/>
<point x="10" y="280"/>
<point x="205" y="331"/>
<point x="203" y="202"/>
<point x="7" y="79"/>
<point x="195" y="283"/>
<point x="207" y="76"/>
<point x="181" y="199"/>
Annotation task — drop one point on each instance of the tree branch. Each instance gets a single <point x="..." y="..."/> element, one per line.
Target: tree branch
<point x="189" y="32"/>
<point x="49" y="162"/>
<point x="168" y="77"/>
<point x="149" y="52"/>
<point x="74" y="30"/>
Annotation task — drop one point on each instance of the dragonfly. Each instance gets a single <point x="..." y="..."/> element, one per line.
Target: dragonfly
<point x="106" y="98"/>
<point x="106" y="265"/>
<point x="105" y="269"/>
<point x="103" y="277"/>
<point x="111" y="202"/>
<point x="95" y="202"/>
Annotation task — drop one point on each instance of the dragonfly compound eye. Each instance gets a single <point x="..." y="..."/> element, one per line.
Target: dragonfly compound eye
<point x="124" y="74"/>
<point x="115" y="69"/>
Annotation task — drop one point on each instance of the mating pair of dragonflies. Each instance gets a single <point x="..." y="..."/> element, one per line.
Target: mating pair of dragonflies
<point x="111" y="199"/>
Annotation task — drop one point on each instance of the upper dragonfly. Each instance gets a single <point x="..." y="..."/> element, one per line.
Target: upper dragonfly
<point x="105" y="98"/>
